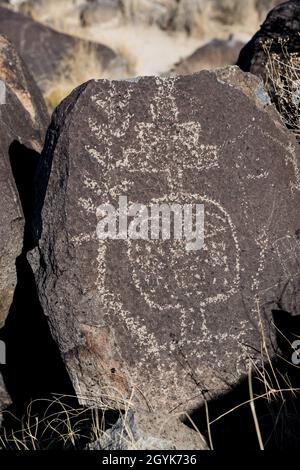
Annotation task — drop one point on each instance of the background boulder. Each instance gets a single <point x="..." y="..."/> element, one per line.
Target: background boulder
<point x="137" y="29"/>
<point x="58" y="62"/>
<point x="274" y="55"/>
<point x="217" y="53"/>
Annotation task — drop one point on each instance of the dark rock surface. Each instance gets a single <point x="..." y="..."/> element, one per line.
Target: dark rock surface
<point x="23" y="126"/>
<point x="149" y="318"/>
<point x="215" y="54"/>
<point x="281" y="26"/>
<point x="23" y="123"/>
<point x="274" y="55"/>
<point x="54" y="58"/>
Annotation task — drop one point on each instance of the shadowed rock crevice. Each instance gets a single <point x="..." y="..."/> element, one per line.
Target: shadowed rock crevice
<point x="24" y="162"/>
<point x="34" y="369"/>
<point x="35" y="375"/>
<point x="36" y="378"/>
<point x="23" y="119"/>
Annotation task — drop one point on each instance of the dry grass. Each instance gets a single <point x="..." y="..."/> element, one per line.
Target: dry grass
<point x="80" y="65"/>
<point x="270" y="393"/>
<point x="282" y="81"/>
<point x="62" y="425"/>
<point x="58" y="426"/>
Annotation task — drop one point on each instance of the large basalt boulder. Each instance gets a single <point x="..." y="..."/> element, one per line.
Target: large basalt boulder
<point x="151" y="320"/>
<point x="58" y="61"/>
<point x="215" y="54"/>
<point x="274" y="55"/>
<point x="23" y="126"/>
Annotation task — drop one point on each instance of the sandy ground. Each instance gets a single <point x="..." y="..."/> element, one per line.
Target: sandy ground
<point x="148" y="49"/>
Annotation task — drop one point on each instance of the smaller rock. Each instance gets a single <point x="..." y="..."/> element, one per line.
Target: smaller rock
<point x="215" y="54"/>
<point x="149" y="431"/>
<point x="59" y="62"/>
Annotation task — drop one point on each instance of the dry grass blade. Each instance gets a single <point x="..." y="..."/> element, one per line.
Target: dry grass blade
<point x="253" y="411"/>
<point x="282" y="81"/>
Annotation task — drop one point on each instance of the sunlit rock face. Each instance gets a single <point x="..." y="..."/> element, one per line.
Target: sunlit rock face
<point x="149" y="319"/>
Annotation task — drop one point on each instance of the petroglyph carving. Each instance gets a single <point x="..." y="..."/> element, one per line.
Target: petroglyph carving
<point x="181" y="321"/>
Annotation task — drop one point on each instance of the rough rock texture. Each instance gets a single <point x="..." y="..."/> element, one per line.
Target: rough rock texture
<point x="274" y="55"/>
<point x="149" y="431"/>
<point x="149" y="317"/>
<point x="23" y="123"/>
<point x="55" y="59"/>
<point x="215" y="54"/>
<point x="281" y="27"/>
